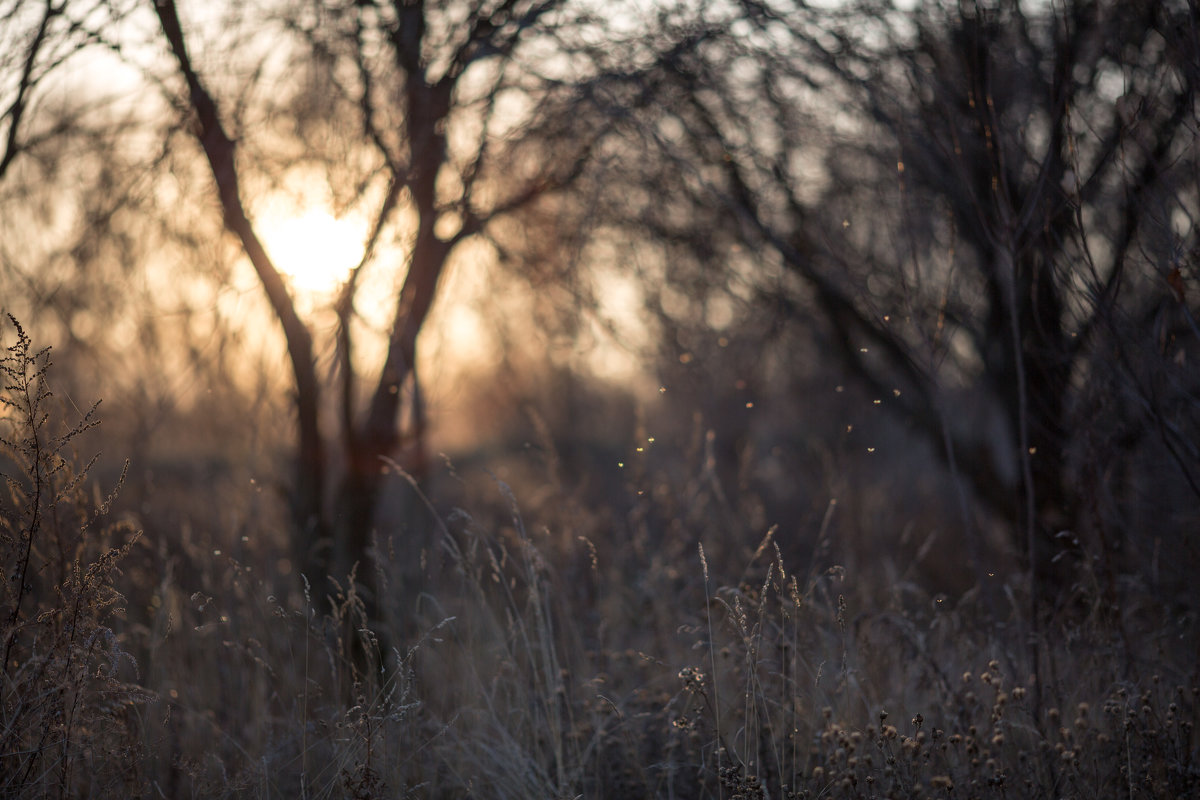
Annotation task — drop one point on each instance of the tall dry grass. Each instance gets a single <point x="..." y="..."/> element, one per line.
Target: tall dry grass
<point x="537" y="644"/>
<point x="68" y="691"/>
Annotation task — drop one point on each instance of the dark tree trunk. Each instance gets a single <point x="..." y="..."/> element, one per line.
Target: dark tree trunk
<point x="307" y="500"/>
<point x="380" y="435"/>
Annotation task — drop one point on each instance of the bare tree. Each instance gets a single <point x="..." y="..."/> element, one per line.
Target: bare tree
<point x="36" y="41"/>
<point x="426" y="110"/>
<point x="986" y="205"/>
<point x="71" y="180"/>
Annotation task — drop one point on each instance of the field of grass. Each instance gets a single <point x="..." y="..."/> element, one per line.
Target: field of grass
<point x="538" y="642"/>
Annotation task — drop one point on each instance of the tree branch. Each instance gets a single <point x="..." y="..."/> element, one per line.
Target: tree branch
<point x="220" y="152"/>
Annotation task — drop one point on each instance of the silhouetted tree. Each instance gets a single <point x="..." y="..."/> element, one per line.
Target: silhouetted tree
<point x="423" y="109"/>
<point x="74" y="203"/>
<point x="991" y="210"/>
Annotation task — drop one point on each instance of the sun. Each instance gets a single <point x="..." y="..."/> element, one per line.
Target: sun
<point x="315" y="250"/>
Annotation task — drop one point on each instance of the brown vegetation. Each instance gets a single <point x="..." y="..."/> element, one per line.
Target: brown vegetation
<point x="817" y="384"/>
<point x="577" y="651"/>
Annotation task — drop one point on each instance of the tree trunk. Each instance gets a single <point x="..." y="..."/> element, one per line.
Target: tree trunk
<point x="307" y="500"/>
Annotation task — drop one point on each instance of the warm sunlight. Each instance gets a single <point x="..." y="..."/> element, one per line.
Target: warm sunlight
<point x="315" y="250"/>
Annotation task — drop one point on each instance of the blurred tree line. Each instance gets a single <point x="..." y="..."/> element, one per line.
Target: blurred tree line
<point x="982" y="215"/>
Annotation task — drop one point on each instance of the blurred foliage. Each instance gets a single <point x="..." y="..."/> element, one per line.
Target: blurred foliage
<point x="913" y="289"/>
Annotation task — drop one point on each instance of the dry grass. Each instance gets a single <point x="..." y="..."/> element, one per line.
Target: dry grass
<point x="573" y="650"/>
<point x="67" y="704"/>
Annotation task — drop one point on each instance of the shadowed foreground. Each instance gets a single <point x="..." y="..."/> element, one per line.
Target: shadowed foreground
<point x="575" y="652"/>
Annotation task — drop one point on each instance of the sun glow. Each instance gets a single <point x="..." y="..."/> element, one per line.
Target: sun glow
<point x="315" y="251"/>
